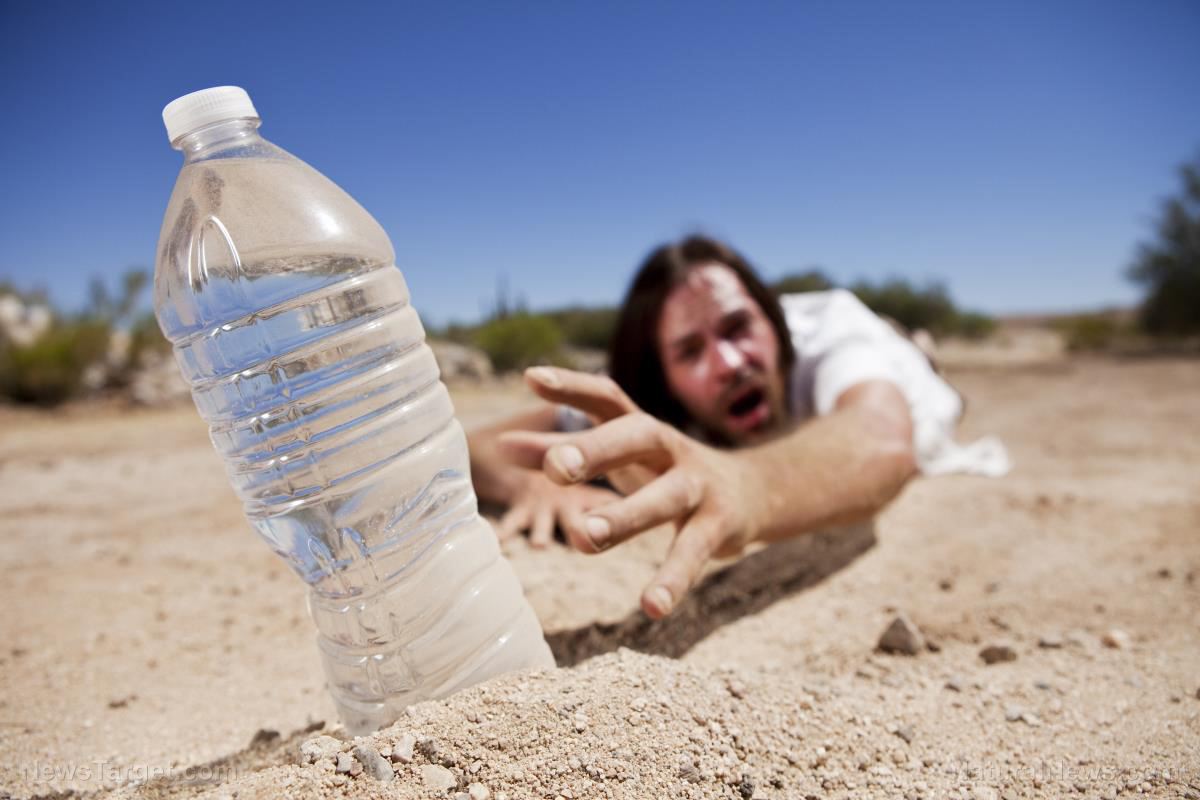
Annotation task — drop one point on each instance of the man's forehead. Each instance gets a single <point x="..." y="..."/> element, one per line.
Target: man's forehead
<point x="710" y="288"/>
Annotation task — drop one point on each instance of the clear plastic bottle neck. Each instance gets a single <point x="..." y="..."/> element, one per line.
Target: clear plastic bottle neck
<point x="219" y="139"/>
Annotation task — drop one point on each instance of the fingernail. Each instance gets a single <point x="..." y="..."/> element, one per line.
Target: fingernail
<point x="568" y="460"/>
<point x="660" y="598"/>
<point x="544" y="376"/>
<point x="598" y="530"/>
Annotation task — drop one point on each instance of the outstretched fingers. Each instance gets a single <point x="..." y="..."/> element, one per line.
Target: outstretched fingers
<point x="669" y="497"/>
<point x="689" y="553"/>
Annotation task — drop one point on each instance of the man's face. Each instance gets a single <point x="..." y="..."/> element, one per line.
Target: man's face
<point x="721" y="355"/>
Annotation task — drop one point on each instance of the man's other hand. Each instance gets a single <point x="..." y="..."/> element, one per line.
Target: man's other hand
<point x="540" y="504"/>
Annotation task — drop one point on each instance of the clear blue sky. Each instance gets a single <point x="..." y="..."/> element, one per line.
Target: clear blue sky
<point x="1016" y="150"/>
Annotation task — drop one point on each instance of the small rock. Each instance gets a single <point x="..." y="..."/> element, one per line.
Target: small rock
<point x="954" y="684"/>
<point x="997" y="653"/>
<point x="437" y="778"/>
<point x="902" y="636"/>
<point x="403" y="751"/>
<point x="477" y="791"/>
<point x="1051" y="642"/>
<point x="945" y="584"/>
<point x="736" y="688"/>
<point x="1013" y="713"/>
<point x="745" y="787"/>
<point x="375" y="764"/>
<point x="320" y="747"/>
<point x="428" y="747"/>
<point x="905" y="732"/>
<point x="1116" y="639"/>
<point x="344" y="763"/>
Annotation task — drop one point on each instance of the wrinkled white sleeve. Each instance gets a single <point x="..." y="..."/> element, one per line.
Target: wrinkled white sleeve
<point x="846" y="365"/>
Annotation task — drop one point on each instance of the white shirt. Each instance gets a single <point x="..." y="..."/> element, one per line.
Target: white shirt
<point x="840" y="342"/>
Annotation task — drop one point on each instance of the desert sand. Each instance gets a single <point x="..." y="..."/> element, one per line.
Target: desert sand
<point x="153" y="647"/>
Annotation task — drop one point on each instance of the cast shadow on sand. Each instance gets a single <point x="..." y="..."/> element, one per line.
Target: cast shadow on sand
<point x="744" y="587"/>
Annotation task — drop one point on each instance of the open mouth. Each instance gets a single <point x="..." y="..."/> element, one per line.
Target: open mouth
<point x="747" y="402"/>
<point x="749" y="412"/>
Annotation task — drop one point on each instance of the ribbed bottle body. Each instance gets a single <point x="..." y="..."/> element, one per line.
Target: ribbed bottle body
<point x="309" y="364"/>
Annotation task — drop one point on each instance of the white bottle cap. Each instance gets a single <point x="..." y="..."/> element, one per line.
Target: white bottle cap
<point x="185" y="114"/>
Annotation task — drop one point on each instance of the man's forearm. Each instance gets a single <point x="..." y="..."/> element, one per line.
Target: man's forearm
<point x="835" y="469"/>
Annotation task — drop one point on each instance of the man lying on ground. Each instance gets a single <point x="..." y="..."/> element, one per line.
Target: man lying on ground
<point x="736" y="416"/>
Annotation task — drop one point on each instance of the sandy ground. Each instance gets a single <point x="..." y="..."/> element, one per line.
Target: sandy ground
<point x="153" y="646"/>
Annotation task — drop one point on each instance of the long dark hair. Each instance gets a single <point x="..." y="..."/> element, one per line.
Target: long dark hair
<point x="633" y="360"/>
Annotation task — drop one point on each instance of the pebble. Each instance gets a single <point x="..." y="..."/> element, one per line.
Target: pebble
<point x="1116" y="639"/>
<point x="477" y="791"/>
<point x="954" y="684"/>
<point x="1051" y="642"/>
<point x="905" y="732"/>
<point x="997" y="653"/>
<point x="902" y="636"/>
<point x="403" y="752"/>
<point x="320" y="747"/>
<point x="344" y="762"/>
<point x="437" y="778"/>
<point x="745" y="787"/>
<point x="375" y="764"/>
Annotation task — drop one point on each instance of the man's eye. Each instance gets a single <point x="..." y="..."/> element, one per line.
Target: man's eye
<point x="687" y="353"/>
<point x="737" y="327"/>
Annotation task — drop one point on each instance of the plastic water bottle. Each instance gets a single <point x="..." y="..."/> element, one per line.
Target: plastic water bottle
<point x="293" y="326"/>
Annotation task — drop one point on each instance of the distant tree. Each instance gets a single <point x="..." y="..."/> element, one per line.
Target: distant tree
<point x="1170" y="266"/>
<point x="928" y="307"/>
<point x="813" y="280"/>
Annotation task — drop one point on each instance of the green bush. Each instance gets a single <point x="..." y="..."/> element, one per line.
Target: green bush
<point x="586" y="327"/>
<point x="51" y="369"/>
<point x="1090" y="332"/>
<point x="519" y="340"/>
<point x="811" y="281"/>
<point x="914" y="308"/>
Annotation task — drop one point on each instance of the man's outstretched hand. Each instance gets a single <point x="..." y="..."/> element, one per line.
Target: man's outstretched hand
<point x="712" y="497"/>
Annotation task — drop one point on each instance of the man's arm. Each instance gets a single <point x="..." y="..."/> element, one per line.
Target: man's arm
<point x="840" y="467"/>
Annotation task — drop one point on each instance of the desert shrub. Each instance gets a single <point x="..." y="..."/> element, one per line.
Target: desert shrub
<point x="51" y="369"/>
<point x="973" y="325"/>
<point x="585" y="327"/>
<point x="55" y="366"/>
<point x="1093" y="332"/>
<point x="1169" y="267"/>
<point x="929" y="307"/>
<point x="519" y="340"/>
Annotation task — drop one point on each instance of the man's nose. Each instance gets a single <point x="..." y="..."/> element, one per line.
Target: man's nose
<point x="729" y="358"/>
